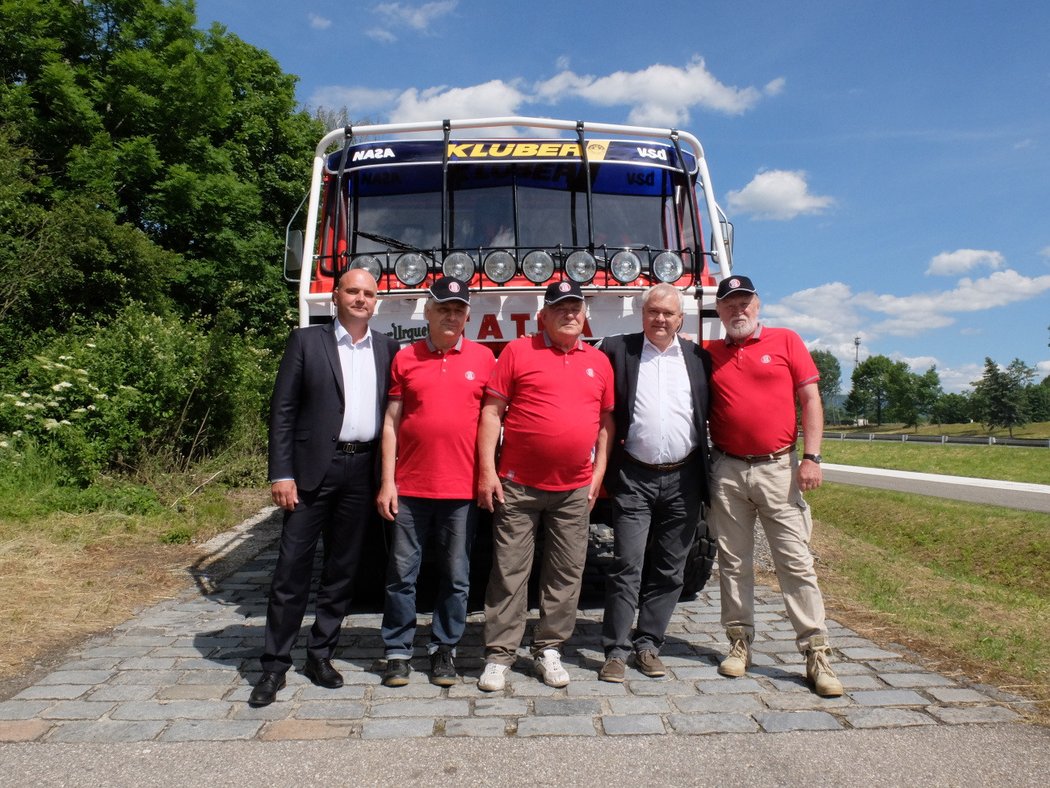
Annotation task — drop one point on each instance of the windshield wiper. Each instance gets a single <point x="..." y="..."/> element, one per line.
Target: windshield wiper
<point x="393" y="242"/>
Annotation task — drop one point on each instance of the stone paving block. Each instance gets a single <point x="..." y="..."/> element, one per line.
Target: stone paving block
<point x="896" y="666"/>
<point x="531" y="688"/>
<point x="632" y="705"/>
<point x="345" y="692"/>
<point x="956" y="695"/>
<point x="916" y="679"/>
<point x="887" y="718"/>
<point x="634" y="725"/>
<point x="863" y="653"/>
<point x="590" y="689"/>
<point x="556" y="726"/>
<point x="712" y="723"/>
<point x="801" y="701"/>
<point x="695" y="672"/>
<point x="397" y="728"/>
<point x="53" y="692"/>
<point x="94" y="663"/>
<point x="22" y="730"/>
<point x="418" y="708"/>
<point x="553" y="707"/>
<point x="725" y="686"/>
<point x="192" y="692"/>
<point x="720" y="704"/>
<point x="661" y="688"/>
<point x="295" y="730"/>
<point x="333" y="710"/>
<point x="854" y="683"/>
<point x="130" y="692"/>
<point x="784" y="721"/>
<point x="500" y="707"/>
<point x="77" y="710"/>
<point x="418" y="689"/>
<point x="965" y="715"/>
<point x="22" y="709"/>
<point x="76" y="677"/>
<point x="149" y="663"/>
<point x="225" y="677"/>
<point x="888" y="698"/>
<point x="173" y="710"/>
<point x="471" y="727"/>
<point x="106" y="731"/>
<point x="153" y="678"/>
<point x="210" y="730"/>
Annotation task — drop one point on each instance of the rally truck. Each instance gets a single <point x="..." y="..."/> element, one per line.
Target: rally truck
<point x="508" y="205"/>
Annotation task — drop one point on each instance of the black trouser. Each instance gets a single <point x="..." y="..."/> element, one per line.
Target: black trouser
<point x="339" y="510"/>
<point x="655" y="516"/>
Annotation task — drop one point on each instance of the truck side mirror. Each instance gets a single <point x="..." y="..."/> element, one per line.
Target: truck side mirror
<point x="293" y="255"/>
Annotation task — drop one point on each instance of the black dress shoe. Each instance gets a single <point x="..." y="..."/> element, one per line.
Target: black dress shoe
<point x="265" y="691"/>
<point x="321" y="673"/>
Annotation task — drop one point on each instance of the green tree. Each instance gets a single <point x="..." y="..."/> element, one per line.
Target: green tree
<point x="830" y="381"/>
<point x="999" y="396"/>
<point x="870" y="395"/>
<point x="952" y="408"/>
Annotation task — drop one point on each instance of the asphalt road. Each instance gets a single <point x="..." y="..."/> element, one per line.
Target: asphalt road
<point x="1014" y="495"/>
<point x="1014" y="755"/>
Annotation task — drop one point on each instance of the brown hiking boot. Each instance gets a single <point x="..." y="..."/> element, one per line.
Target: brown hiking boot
<point x="739" y="658"/>
<point x="649" y="664"/>
<point x="819" y="675"/>
<point x="613" y="670"/>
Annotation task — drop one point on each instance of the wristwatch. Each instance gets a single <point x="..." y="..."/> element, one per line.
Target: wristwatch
<point x="813" y="457"/>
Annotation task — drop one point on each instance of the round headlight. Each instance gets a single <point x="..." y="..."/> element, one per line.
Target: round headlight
<point x="459" y="265"/>
<point x="500" y="267"/>
<point x="538" y="266"/>
<point x="667" y="267"/>
<point x="370" y="263"/>
<point x="580" y="267"/>
<point x="411" y="268"/>
<point x="625" y="267"/>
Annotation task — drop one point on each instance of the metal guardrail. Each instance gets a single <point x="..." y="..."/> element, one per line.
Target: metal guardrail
<point x="971" y="440"/>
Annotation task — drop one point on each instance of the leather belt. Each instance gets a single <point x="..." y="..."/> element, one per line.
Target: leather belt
<point x="752" y="459"/>
<point x="355" y="447"/>
<point x="663" y="467"/>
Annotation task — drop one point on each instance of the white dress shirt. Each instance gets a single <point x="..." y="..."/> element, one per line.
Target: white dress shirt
<point x="662" y="428"/>
<point x="358" y="365"/>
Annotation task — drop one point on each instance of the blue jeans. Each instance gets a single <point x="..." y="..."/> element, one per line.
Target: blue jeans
<point x="451" y="524"/>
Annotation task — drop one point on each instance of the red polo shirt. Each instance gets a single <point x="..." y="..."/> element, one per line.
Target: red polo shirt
<point x="440" y="393"/>
<point x="753" y="388"/>
<point x="555" y="400"/>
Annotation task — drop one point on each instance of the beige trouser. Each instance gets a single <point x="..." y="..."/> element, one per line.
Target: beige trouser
<point x="740" y="492"/>
<point x="514" y="528"/>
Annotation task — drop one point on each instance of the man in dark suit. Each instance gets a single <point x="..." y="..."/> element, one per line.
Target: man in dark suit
<point x="657" y="479"/>
<point x="325" y="420"/>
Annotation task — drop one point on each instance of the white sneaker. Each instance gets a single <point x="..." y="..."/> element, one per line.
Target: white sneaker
<point x="494" y="678"/>
<point x="548" y="665"/>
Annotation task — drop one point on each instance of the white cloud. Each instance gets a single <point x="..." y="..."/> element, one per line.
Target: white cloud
<point x="999" y="288"/>
<point x="962" y="260"/>
<point x="659" y="95"/>
<point x="774" y="87"/>
<point x="492" y="98"/>
<point x="318" y="22"/>
<point x="779" y="195"/>
<point x="1042" y="369"/>
<point x="381" y="35"/>
<point x="415" y="17"/>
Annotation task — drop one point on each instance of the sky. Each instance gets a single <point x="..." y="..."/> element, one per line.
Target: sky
<point x="886" y="164"/>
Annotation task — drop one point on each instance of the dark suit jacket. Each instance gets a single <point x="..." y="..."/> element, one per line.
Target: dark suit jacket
<point x="306" y="409"/>
<point x="625" y="353"/>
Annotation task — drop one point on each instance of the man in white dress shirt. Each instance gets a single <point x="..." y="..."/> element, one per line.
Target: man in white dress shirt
<point x="657" y="479"/>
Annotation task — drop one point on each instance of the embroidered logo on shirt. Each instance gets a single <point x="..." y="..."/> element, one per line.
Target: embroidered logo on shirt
<point x="590" y="372"/>
<point x="469" y="374"/>
<point x="766" y="359"/>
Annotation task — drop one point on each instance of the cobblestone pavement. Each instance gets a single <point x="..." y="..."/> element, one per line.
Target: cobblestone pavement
<point x="182" y="671"/>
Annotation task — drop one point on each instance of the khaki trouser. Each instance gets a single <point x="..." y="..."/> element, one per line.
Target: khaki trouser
<point x="740" y="492"/>
<point x="514" y="528"/>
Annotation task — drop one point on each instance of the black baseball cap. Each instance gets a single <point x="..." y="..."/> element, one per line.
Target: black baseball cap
<point x="446" y="288"/>
<point x="735" y="284"/>
<point x="559" y="291"/>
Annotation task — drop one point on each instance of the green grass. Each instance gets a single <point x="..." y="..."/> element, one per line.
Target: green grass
<point x="1010" y="463"/>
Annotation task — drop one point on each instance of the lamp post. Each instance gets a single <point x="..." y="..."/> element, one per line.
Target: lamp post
<point x="856" y="351"/>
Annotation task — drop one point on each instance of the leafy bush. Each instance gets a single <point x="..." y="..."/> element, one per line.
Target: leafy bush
<point x="143" y="390"/>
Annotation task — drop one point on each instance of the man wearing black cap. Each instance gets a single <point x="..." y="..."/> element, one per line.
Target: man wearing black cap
<point x="325" y="415"/>
<point x="429" y="479"/>
<point x="758" y="374"/>
<point x="556" y="394"/>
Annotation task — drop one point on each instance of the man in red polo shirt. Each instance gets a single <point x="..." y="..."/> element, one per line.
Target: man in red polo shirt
<point x="556" y="394"/>
<point x="429" y="479"/>
<point x="757" y="375"/>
